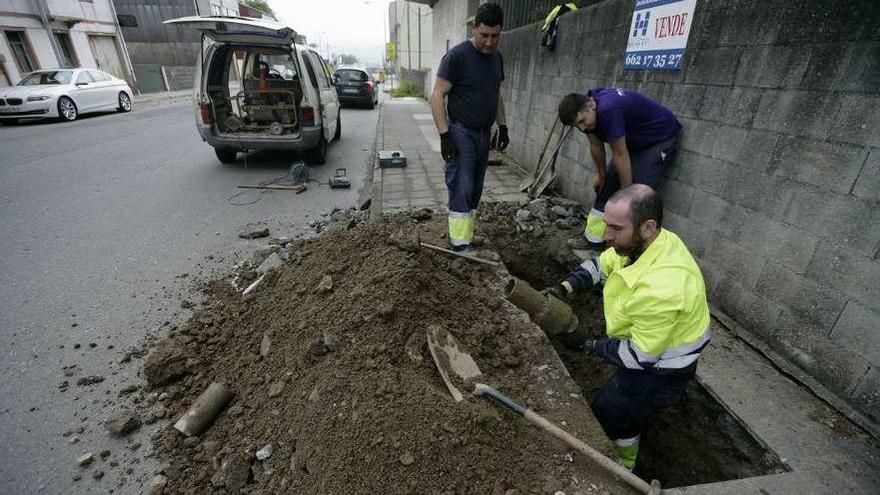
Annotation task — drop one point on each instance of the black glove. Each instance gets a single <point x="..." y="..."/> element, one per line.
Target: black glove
<point x="586" y="346"/>
<point x="503" y="139"/>
<point x="558" y="291"/>
<point x="447" y="148"/>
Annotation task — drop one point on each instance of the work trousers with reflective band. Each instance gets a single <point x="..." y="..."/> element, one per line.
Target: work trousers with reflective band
<point x="464" y="180"/>
<point x="648" y="166"/>
<point x="630" y="398"/>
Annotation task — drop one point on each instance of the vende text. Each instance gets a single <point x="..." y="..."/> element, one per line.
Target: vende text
<point x="672" y="25"/>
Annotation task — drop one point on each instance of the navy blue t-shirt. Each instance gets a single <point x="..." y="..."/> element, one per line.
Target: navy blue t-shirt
<point x="476" y="80"/>
<point x="624" y="112"/>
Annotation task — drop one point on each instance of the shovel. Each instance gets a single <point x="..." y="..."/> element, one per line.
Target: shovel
<point x="452" y="362"/>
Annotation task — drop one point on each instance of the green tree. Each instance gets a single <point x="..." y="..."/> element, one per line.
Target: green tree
<point x="262" y="5"/>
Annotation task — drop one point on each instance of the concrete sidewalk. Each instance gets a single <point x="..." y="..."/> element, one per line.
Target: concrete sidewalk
<point x="162" y="95"/>
<point x="406" y="124"/>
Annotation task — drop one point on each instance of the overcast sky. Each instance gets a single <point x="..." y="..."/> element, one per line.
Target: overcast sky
<point x="340" y="26"/>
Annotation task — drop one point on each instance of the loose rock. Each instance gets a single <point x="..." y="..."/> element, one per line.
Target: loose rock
<point x="90" y="380"/>
<point x="157" y="485"/>
<point x="272" y="262"/>
<point x="165" y="364"/>
<point x="326" y="284"/>
<point x="234" y="472"/>
<point x="122" y="423"/>
<point x="85" y="459"/>
<point x="255" y="234"/>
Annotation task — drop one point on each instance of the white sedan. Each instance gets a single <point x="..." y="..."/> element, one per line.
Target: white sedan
<point x="64" y="94"/>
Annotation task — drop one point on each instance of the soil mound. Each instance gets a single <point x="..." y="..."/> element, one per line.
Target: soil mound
<point x="329" y="366"/>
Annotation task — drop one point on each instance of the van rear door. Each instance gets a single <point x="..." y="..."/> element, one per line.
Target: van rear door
<point x="238" y="30"/>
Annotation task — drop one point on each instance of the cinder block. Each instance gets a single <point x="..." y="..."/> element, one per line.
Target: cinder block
<point x="772" y="66"/>
<point x="755" y="313"/>
<point x="856" y="120"/>
<point x="798" y="113"/>
<point x="853" y="274"/>
<point x="677" y="196"/>
<point x="862" y="67"/>
<point x="768" y="238"/>
<point x="867" y="393"/>
<point x="684" y="100"/>
<point x="826" y="67"/>
<point x="712" y="66"/>
<point x="732" y="106"/>
<point x="751" y="149"/>
<point x="857" y="330"/>
<point x="697" y="135"/>
<point x="829" y="166"/>
<point x="868" y="184"/>
<point x="766" y="194"/>
<point x="840" y="217"/>
<point x="693" y="234"/>
<point x="805" y="343"/>
<point x="713" y="276"/>
<point x="710" y="210"/>
<point x="805" y="298"/>
<point x="703" y="171"/>
<point x="741" y="264"/>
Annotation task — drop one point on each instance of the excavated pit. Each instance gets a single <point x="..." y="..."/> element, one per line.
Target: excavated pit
<point x="694" y="442"/>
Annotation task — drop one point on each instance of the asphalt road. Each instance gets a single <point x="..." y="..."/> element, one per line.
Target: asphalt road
<point x="100" y="218"/>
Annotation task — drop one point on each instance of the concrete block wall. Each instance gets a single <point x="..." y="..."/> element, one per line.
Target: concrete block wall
<point x="776" y="188"/>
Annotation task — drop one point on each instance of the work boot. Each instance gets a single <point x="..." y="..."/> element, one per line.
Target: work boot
<point x="462" y="248"/>
<point x="581" y="243"/>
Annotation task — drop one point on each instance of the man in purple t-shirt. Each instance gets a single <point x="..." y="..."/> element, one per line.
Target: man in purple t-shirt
<point x="642" y="135"/>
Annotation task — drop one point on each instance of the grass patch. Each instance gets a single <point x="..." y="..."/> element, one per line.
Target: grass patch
<point x="406" y="88"/>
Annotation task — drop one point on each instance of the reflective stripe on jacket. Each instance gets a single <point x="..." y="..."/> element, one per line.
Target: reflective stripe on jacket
<point x="656" y="313"/>
<point x="556" y="13"/>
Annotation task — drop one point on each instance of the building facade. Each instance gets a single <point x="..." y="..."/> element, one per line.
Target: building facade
<point x="48" y="34"/>
<point x="410" y="27"/>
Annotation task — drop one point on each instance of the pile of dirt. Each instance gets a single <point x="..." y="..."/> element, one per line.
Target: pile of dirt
<point x="329" y="366"/>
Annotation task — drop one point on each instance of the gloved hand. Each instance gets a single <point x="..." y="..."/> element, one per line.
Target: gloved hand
<point x="503" y="139"/>
<point x="576" y="342"/>
<point x="558" y="291"/>
<point x="447" y="148"/>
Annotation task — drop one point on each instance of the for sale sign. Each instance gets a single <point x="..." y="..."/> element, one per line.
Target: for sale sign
<point x="658" y="34"/>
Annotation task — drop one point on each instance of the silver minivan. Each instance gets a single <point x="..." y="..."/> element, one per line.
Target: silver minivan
<point x="255" y="89"/>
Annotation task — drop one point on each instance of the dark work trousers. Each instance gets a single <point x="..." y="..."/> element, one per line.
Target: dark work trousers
<point x="648" y="166"/>
<point x="629" y="398"/>
<point x="464" y="177"/>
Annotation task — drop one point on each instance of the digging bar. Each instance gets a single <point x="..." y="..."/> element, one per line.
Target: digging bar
<point x="528" y="182"/>
<point x="462" y="255"/>
<point x="544" y="179"/>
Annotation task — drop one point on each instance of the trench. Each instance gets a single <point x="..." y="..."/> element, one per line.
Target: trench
<point x="696" y="441"/>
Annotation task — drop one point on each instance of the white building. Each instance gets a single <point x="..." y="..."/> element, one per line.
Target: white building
<point x="411" y="27"/>
<point x="46" y="34"/>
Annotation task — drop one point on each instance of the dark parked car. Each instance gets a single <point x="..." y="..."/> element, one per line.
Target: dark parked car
<point x="355" y="85"/>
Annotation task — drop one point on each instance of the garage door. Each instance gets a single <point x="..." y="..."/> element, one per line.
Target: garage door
<point x="106" y="54"/>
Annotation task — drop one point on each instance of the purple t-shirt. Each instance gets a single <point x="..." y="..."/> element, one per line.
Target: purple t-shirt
<point x="624" y="112"/>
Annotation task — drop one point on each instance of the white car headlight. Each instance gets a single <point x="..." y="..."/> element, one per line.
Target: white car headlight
<point x="37" y="98"/>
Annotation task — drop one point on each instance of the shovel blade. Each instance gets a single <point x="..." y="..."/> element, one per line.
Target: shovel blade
<point x="453" y="364"/>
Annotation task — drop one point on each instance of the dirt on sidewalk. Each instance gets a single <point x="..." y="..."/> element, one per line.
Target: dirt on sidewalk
<point x="329" y="366"/>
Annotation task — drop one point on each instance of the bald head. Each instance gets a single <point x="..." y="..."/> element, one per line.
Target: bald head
<point x="643" y="204"/>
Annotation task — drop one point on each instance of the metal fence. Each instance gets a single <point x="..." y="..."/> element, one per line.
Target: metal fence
<point x="518" y="13"/>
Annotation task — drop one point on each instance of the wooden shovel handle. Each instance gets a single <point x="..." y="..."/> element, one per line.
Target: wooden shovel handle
<point x="596" y="456"/>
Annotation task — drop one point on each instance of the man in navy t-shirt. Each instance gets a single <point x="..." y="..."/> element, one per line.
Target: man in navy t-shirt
<point x="469" y="78"/>
<point x="642" y="135"/>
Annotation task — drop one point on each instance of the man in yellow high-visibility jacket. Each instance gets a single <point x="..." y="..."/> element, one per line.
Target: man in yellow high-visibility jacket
<point x="656" y="316"/>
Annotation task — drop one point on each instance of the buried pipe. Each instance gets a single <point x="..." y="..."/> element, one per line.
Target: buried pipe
<point x="204" y="410"/>
<point x="555" y="317"/>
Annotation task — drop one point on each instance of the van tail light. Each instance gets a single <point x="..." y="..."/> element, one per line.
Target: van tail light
<point x="207" y="118"/>
<point x="369" y="86"/>
<point x="306" y="115"/>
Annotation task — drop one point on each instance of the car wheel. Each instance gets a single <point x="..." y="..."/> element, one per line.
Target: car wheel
<point x="225" y="155"/>
<point x="338" y="134"/>
<point x="67" y="109"/>
<point x="319" y="152"/>
<point x="372" y="104"/>
<point x="124" y="102"/>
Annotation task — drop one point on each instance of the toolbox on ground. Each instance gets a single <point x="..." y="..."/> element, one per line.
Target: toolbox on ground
<point x="391" y="158"/>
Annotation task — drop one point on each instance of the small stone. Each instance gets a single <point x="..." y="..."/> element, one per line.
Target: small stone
<point x="272" y="262"/>
<point x="265" y="452"/>
<point x="266" y="345"/>
<point x="85" y="459"/>
<point x="562" y="212"/>
<point x="407" y="459"/>
<point x="77" y="477"/>
<point x="73" y="440"/>
<point x="104" y="454"/>
<point x="128" y="389"/>
<point x="234" y="472"/>
<point x="254" y="234"/>
<point x="523" y="215"/>
<point x="421" y="214"/>
<point x="157" y="485"/>
<point x="122" y="423"/>
<point x="135" y="446"/>
<point x="76" y="346"/>
<point x="326" y="284"/>
<point x="93" y="345"/>
<point x="98" y="474"/>
<point x="89" y="380"/>
<point x="318" y="350"/>
<point x="165" y="364"/>
<point x="275" y="389"/>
